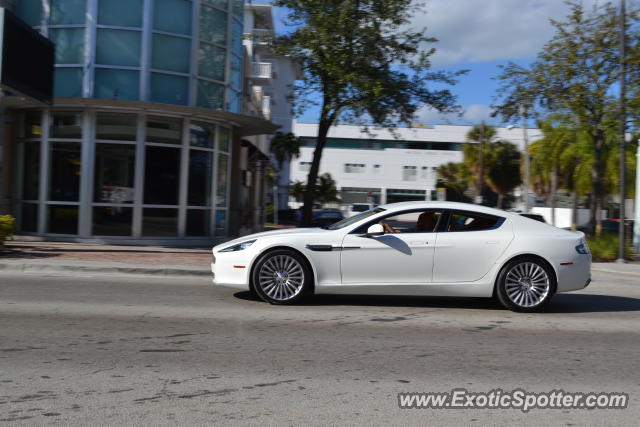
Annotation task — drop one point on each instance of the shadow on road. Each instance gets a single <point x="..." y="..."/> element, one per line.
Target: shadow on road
<point x="562" y="303"/>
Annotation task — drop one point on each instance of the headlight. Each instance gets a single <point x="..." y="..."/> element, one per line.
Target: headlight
<point x="238" y="247"/>
<point x="582" y="248"/>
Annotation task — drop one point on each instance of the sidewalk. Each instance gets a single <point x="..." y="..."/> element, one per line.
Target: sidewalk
<point x="52" y="257"/>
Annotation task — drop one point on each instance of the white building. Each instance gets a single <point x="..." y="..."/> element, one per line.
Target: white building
<point x="380" y="167"/>
<point x="270" y="79"/>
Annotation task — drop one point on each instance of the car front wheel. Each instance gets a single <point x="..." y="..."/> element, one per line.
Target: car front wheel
<point x="525" y="285"/>
<point x="281" y="277"/>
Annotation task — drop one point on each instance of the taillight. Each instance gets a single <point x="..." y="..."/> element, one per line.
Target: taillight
<point x="582" y="248"/>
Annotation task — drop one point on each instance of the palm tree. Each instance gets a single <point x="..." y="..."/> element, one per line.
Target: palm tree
<point x="504" y="172"/>
<point x="326" y="190"/>
<point x="284" y="147"/>
<point x="482" y="134"/>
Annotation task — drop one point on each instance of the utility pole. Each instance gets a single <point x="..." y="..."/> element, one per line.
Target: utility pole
<point x="623" y="131"/>
<point x="527" y="170"/>
<point x="636" y="223"/>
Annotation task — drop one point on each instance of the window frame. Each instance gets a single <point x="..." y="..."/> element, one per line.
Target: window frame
<point x="444" y="219"/>
<point x="451" y="212"/>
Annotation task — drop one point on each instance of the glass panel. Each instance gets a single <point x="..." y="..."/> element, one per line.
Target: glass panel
<point x="223" y="162"/>
<point x="222" y="4"/>
<point x="67" y="12"/>
<point x="124" y="13"/>
<point x="31" y="171"/>
<point x="211" y="61"/>
<point x="112" y="221"/>
<point x="210" y="95"/>
<point x="164" y="129"/>
<point x="236" y="72"/>
<point x="463" y="221"/>
<point x="198" y="222"/>
<point x="63" y="219"/>
<point x="171" y="53"/>
<point x="29" y="219"/>
<point x="201" y="135"/>
<point x="67" y="82"/>
<point x="162" y="167"/>
<point x="173" y="16"/>
<point x="65" y="171"/>
<point x="114" y="173"/>
<point x="117" y="84"/>
<point x="169" y="89"/>
<point x="213" y="25"/>
<point x="412" y="222"/>
<point x="238" y="7"/>
<point x="66" y="125"/>
<point x="30" y="11"/>
<point x="234" y="99"/>
<point x="118" y="47"/>
<point x="160" y="222"/>
<point x="118" y="127"/>
<point x="33" y="125"/>
<point x="221" y="223"/>
<point x="223" y="135"/>
<point x="200" y="177"/>
<point x="69" y="45"/>
<point x="236" y="37"/>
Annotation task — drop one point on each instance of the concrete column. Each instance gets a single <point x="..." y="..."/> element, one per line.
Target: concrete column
<point x="636" y="224"/>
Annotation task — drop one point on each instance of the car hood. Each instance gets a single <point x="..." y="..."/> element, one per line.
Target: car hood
<point x="272" y="233"/>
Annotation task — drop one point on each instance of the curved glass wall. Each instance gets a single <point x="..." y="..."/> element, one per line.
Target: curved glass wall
<point x="183" y="52"/>
<point x="125" y="175"/>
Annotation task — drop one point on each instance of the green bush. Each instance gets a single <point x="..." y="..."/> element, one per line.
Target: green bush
<point x="605" y="247"/>
<point x="7" y="224"/>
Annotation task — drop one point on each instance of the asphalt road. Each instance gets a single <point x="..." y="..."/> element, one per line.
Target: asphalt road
<point x="94" y="350"/>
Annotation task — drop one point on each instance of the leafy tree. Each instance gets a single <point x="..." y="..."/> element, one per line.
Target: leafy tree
<point x="454" y="177"/>
<point x="474" y="154"/>
<point x="363" y="63"/>
<point x="284" y="147"/>
<point x="326" y="190"/>
<point x="576" y="73"/>
<point x="504" y="172"/>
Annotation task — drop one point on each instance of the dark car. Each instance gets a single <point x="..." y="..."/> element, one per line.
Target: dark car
<point x="324" y="217"/>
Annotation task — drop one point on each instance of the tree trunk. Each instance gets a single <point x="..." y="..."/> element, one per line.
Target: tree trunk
<point x="480" y="181"/>
<point x="595" y="216"/>
<point x="500" y="200"/>
<point x="312" y="179"/>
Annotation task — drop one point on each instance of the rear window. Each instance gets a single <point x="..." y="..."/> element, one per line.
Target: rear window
<point x="472" y="221"/>
<point x="360" y="208"/>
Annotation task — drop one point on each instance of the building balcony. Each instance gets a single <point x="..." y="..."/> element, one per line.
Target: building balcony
<point x="262" y="36"/>
<point x="261" y="72"/>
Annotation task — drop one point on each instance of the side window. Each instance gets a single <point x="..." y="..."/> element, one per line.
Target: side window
<point x="468" y="221"/>
<point x="424" y="221"/>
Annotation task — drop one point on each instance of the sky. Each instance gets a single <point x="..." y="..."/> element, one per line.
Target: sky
<point x="478" y="35"/>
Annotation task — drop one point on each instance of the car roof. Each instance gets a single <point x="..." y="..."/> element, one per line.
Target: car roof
<point x="425" y="204"/>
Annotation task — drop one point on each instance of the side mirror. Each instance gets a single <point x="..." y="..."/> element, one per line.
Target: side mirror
<point x="375" y="230"/>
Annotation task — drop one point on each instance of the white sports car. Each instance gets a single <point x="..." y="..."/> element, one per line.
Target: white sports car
<point x="411" y="248"/>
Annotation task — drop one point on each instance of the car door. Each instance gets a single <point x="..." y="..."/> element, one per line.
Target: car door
<point x="404" y="256"/>
<point x="469" y="245"/>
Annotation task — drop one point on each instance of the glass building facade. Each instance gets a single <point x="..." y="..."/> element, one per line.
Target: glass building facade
<point x="128" y="150"/>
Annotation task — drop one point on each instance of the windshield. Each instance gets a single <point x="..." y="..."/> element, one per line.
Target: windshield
<point x="352" y="220"/>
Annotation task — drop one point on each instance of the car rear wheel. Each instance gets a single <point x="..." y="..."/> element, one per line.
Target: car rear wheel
<point x="525" y="285"/>
<point x="281" y="277"/>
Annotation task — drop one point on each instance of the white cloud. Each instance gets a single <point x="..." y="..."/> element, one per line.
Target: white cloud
<point x="472" y="114"/>
<point x="487" y="30"/>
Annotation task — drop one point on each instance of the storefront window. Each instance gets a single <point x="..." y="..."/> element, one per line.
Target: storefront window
<point x="221" y="223"/>
<point x="112" y="221"/>
<point x="29" y="217"/>
<point x="223" y="162"/>
<point x="210" y="95"/>
<point x="198" y="222"/>
<point x="116" y="127"/>
<point x="33" y="125"/>
<point x="65" y="171"/>
<point x="200" y="177"/>
<point x="164" y="130"/>
<point x="63" y="219"/>
<point x="31" y="171"/>
<point x="222" y="4"/>
<point x="162" y="167"/>
<point x="114" y="173"/>
<point x="201" y="135"/>
<point x="66" y="125"/>
<point x="123" y="13"/>
<point x="159" y="222"/>
<point x="224" y="135"/>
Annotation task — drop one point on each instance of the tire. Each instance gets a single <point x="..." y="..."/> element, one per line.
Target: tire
<point x="525" y="284"/>
<point x="282" y="276"/>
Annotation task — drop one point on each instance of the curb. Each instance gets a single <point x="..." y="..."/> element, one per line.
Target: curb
<point x="613" y="271"/>
<point x="27" y="267"/>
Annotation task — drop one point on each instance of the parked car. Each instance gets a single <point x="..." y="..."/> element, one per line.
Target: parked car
<point x="356" y="208"/>
<point x="412" y="248"/>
